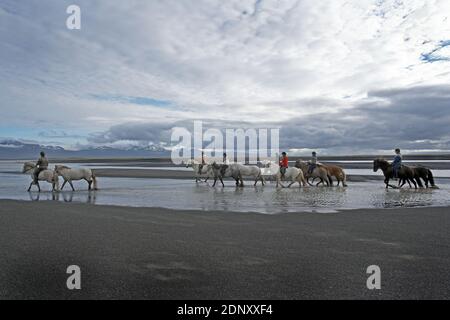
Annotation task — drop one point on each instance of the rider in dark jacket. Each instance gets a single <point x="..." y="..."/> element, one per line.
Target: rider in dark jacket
<point x="41" y="165"/>
<point x="397" y="163"/>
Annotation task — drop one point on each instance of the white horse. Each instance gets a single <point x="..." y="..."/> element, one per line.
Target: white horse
<point x="235" y="171"/>
<point x="220" y="171"/>
<point x="292" y="174"/>
<point x="249" y="171"/>
<point x="70" y="174"/>
<point x="45" y="175"/>
<point x="196" y="167"/>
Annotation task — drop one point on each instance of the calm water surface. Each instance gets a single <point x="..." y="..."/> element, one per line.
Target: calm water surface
<point x="185" y="194"/>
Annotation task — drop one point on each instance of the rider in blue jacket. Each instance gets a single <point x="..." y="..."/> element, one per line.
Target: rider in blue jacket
<point x="397" y="163"/>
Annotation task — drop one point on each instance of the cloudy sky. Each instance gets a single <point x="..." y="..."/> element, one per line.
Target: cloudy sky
<point x="352" y="76"/>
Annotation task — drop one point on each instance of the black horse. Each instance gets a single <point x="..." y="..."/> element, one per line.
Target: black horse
<point x="405" y="173"/>
<point x="425" y="174"/>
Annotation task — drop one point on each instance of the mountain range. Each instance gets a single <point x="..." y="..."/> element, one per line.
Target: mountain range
<point x="16" y="149"/>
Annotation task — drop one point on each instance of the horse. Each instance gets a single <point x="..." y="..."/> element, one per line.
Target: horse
<point x="425" y="174"/>
<point x="319" y="172"/>
<point x="337" y="172"/>
<point x="293" y="174"/>
<point x="219" y="171"/>
<point x="405" y="174"/>
<point x="249" y="171"/>
<point x="70" y="174"/>
<point x="196" y="167"/>
<point x="45" y="175"/>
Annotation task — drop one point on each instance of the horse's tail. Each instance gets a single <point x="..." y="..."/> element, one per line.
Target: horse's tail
<point x="94" y="180"/>
<point x="344" y="178"/>
<point x="431" y="178"/>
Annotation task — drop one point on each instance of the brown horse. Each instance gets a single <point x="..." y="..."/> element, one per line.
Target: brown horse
<point x="318" y="172"/>
<point x="337" y="172"/>
<point x="405" y="174"/>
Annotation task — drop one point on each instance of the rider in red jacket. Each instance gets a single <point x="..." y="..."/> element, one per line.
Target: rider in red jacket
<point x="284" y="163"/>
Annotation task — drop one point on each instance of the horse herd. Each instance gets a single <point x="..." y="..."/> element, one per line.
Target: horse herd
<point x="68" y="175"/>
<point x="301" y="173"/>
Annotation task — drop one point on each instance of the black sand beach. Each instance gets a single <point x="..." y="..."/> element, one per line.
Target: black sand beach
<point x="151" y="253"/>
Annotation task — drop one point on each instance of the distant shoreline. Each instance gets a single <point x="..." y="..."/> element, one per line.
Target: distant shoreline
<point x="165" y="159"/>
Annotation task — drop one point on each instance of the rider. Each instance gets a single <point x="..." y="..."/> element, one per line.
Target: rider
<point x="200" y="167"/>
<point x="313" y="162"/>
<point x="225" y="159"/>
<point x="41" y="165"/>
<point x="397" y="163"/>
<point x="284" y="163"/>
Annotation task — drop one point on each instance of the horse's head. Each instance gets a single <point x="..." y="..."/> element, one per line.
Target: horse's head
<point x="379" y="163"/>
<point x="27" y="166"/>
<point x="300" y="164"/>
<point x="60" y="168"/>
<point x="266" y="163"/>
<point x="215" y="165"/>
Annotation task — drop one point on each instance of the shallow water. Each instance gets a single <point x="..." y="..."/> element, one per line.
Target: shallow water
<point x="186" y="194"/>
<point x="14" y="166"/>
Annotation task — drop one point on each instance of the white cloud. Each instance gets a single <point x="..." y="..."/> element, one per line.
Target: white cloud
<point x="245" y="60"/>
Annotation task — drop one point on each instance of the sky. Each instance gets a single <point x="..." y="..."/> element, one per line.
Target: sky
<point x="340" y="77"/>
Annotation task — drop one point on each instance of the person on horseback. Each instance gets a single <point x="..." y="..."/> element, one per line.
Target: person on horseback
<point x="283" y="163"/>
<point x="41" y="165"/>
<point x="225" y="164"/>
<point x="397" y="163"/>
<point x="312" y="162"/>
<point x="225" y="159"/>
<point x="200" y="167"/>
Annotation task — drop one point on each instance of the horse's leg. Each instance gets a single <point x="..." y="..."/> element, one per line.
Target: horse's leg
<point x="414" y="183"/>
<point x="29" y="188"/>
<point x="409" y="182"/>
<point x="39" y="187"/>
<point x="325" y="178"/>
<point x="70" y="182"/>
<point x="89" y="182"/>
<point x="331" y="180"/>
<point x="402" y="181"/>
<point x="419" y="183"/>
<point x="221" y="180"/>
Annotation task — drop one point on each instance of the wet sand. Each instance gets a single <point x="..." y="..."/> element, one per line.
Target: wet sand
<point x="151" y="253"/>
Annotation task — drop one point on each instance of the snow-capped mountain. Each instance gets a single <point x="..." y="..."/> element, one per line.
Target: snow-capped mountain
<point x="16" y="149"/>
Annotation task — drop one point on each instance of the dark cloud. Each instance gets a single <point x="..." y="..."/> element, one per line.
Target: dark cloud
<point x="411" y="118"/>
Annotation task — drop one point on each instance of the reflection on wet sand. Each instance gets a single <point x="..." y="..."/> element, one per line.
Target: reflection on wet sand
<point x="65" y="196"/>
<point x="186" y="195"/>
<point x="411" y="197"/>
